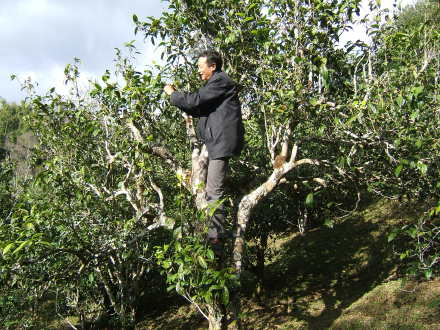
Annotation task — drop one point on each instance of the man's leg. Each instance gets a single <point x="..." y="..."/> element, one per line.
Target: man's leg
<point x="217" y="169"/>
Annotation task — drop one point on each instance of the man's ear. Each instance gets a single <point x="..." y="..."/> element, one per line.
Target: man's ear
<point x="214" y="66"/>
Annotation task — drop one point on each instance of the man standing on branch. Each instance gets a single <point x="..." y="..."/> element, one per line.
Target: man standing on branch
<point x="220" y="127"/>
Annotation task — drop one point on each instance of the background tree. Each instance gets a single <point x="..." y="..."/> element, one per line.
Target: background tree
<point x="279" y="56"/>
<point x="404" y="96"/>
<point x="84" y="228"/>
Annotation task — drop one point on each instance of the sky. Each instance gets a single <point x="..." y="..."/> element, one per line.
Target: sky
<point x="39" y="37"/>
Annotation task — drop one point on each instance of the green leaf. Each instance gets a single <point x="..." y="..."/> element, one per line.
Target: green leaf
<point x="437" y="210"/>
<point x="392" y="236"/>
<point x="309" y="199"/>
<point x="225" y="296"/>
<point x="417" y="90"/>
<point x="398" y="170"/>
<point x="21" y="246"/>
<point x="422" y="167"/>
<point x="428" y="274"/>
<point x="329" y="223"/>
<point x="177" y="233"/>
<point x="412" y="232"/>
<point x="353" y="118"/>
<point x="45" y="243"/>
<point x="8" y="248"/>
<point x="210" y="254"/>
<point x="135" y="18"/>
<point x="202" y="262"/>
<point x="414" y="115"/>
<point x="434" y="304"/>
<point x="403" y="255"/>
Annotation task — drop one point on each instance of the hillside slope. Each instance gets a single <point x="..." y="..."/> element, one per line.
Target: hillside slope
<point x="340" y="278"/>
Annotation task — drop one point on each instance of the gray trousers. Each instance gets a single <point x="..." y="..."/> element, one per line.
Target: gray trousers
<point x="217" y="169"/>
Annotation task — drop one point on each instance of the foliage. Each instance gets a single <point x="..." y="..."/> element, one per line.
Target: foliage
<point x="112" y="159"/>
<point x="6" y="176"/>
<point x="194" y="272"/>
<point x="423" y="251"/>
<point x="403" y="96"/>
<point x="10" y="124"/>
<point x="72" y="233"/>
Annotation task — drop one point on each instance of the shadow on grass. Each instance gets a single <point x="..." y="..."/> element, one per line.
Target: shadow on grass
<point x="3" y="153"/>
<point x="170" y="314"/>
<point x="314" y="277"/>
<point x="318" y="275"/>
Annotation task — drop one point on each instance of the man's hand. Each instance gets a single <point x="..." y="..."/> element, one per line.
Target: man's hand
<point x="169" y="89"/>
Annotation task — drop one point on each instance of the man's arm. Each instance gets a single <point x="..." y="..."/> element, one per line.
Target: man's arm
<point x="201" y="102"/>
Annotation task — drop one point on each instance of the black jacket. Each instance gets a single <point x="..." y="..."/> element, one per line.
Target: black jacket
<point x="217" y="106"/>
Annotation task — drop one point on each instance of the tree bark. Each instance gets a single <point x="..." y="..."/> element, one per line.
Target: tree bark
<point x="216" y="317"/>
<point x="248" y="203"/>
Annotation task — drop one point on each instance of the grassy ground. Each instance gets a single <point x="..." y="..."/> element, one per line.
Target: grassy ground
<point x="395" y="305"/>
<point x="340" y="278"/>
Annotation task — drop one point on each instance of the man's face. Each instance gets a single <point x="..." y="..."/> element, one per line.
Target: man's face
<point x="205" y="70"/>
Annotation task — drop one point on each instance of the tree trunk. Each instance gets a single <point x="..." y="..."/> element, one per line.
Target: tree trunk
<point x="216" y="317"/>
<point x="249" y="202"/>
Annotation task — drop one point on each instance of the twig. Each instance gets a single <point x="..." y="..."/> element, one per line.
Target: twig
<point x="67" y="320"/>
<point x="195" y="304"/>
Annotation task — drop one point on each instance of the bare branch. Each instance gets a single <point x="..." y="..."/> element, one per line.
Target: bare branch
<point x="156" y="150"/>
<point x="249" y="201"/>
<point x="294" y="153"/>
<point x="188" y="298"/>
<point x="199" y="175"/>
<point x="320" y="181"/>
<point x="159" y="192"/>
<point x="67" y="321"/>
<point x="135" y="131"/>
<point x="274" y="141"/>
<point x="94" y="189"/>
<point x="306" y="161"/>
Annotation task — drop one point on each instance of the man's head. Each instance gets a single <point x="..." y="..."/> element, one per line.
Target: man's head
<point x="209" y="62"/>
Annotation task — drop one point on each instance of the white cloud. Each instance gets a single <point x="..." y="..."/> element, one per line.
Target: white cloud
<point x="28" y="75"/>
<point x="33" y="7"/>
<point x="39" y="37"/>
<point x="42" y="36"/>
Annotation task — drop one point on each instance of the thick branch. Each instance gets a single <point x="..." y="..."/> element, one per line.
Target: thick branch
<point x="199" y="175"/>
<point x="190" y="130"/>
<point x="248" y="202"/>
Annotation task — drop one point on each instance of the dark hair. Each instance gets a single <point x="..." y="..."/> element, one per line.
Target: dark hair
<point x="212" y="57"/>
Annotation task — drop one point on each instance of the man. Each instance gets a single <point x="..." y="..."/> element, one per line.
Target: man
<point x="220" y="127"/>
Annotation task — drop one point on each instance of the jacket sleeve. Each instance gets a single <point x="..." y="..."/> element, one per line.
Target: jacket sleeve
<point x="202" y="102"/>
